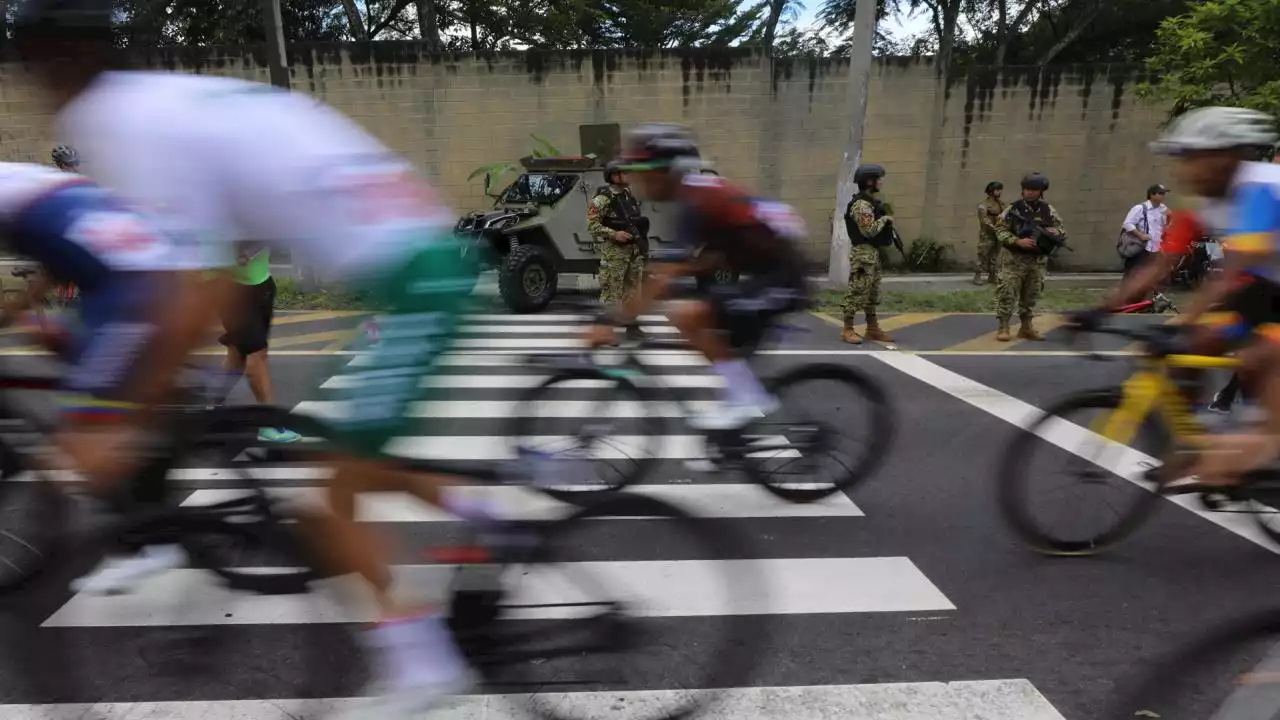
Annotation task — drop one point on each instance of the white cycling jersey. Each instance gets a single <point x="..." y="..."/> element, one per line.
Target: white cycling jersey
<point x="218" y="160"/>
<point x="114" y="238"/>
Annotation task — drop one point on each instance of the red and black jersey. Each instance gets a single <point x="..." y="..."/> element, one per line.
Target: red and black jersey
<point x="754" y="236"/>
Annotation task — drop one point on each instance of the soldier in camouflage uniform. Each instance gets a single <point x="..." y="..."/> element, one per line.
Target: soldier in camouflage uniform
<point x="1020" y="277"/>
<point x="869" y="227"/>
<point x="622" y="256"/>
<point x="988" y="213"/>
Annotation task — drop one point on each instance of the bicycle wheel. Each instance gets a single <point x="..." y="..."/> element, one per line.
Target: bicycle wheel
<point x="245" y="538"/>
<point x="792" y="447"/>
<point x="1016" y="474"/>
<point x="587" y="431"/>
<point x="573" y="631"/>
<point x="1231" y="672"/>
<point x="33" y="514"/>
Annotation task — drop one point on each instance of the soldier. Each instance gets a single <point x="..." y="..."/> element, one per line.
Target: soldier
<point x="621" y="235"/>
<point x="988" y="213"/>
<point x="869" y="226"/>
<point x="1020" y="277"/>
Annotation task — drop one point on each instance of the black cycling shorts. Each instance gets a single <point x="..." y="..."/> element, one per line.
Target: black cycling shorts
<point x="1255" y="304"/>
<point x="247" y="324"/>
<point x="748" y="309"/>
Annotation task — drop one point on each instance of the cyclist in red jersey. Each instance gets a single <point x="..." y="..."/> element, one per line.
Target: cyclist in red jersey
<point x="718" y="226"/>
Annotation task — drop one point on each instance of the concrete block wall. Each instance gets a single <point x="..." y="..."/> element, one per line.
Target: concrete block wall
<point x="775" y="126"/>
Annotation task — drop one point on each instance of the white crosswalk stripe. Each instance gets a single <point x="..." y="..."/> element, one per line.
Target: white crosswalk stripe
<point x="802" y="578"/>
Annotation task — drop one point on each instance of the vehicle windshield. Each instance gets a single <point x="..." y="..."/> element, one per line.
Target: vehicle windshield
<point x="538" y="188"/>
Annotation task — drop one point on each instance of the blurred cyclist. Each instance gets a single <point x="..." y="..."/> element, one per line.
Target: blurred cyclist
<point x="66" y="158"/>
<point x="717" y="226"/>
<point x="217" y="161"/>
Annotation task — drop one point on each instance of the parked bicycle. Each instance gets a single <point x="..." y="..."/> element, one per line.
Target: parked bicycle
<point x="1150" y="413"/>
<point x="820" y="402"/>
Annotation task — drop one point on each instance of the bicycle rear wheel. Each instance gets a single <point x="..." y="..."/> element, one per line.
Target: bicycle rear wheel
<point x="1232" y="672"/>
<point x="33" y="514"/>
<point x="574" y="633"/>
<point x="1014" y="493"/>
<point x="586" y="431"/>
<point x="790" y="447"/>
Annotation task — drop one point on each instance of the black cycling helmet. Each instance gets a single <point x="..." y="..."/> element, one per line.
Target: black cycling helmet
<point x="1035" y="181"/>
<point x="654" y="146"/>
<point x="867" y="172"/>
<point x="993" y="186"/>
<point x="65" y="156"/>
<point x="54" y="17"/>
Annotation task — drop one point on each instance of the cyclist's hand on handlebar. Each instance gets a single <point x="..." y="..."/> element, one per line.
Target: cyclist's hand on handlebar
<point x="601" y="334"/>
<point x="1088" y="319"/>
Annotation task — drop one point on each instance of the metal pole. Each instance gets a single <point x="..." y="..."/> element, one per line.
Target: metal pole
<point x="274" y="26"/>
<point x="864" y="33"/>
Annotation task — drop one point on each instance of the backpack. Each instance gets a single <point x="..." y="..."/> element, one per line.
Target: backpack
<point x="1129" y="245"/>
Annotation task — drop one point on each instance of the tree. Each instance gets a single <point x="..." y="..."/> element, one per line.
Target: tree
<point x="1220" y="52"/>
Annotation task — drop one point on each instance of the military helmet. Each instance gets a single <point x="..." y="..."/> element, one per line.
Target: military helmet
<point x="611" y="171"/>
<point x="1217" y="128"/>
<point x="1035" y="181"/>
<point x="864" y="173"/>
<point x="993" y="186"/>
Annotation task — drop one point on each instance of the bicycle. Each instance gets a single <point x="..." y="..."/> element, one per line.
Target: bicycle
<point x="633" y="382"/>
<point x="526" y="644"/>
<point x="1150" y="409"/>
<point x="1158" y="303"/>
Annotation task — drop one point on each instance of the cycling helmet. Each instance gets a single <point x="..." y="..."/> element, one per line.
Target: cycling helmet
<point x="65" y="15"/>
<point x="993" y="186"/>
<point x="63" y="155"/>
<point x="865" y="173"/>
<point x="1217" y="128"/>
<point x="657" y="145"/>
<point x="1035" y="181"/>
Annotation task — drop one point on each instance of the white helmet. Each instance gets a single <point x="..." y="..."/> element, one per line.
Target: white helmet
<point x="1217" y="128"/>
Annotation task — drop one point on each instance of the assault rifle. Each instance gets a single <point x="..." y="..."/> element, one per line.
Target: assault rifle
<point x="897" y="239"/>
<point x="1046" y="242"/>
<point x="639" y="236"/>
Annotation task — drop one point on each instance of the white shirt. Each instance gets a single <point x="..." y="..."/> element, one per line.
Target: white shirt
<point x="219" y="160"/>
<point x="1153" y="223"/>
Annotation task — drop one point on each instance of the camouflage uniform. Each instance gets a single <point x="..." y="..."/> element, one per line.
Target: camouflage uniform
<point x="988" y="213"/>
<point x="621" y="265"/>
<point x="1020" y="277"/>
<point x="864" y="271"/>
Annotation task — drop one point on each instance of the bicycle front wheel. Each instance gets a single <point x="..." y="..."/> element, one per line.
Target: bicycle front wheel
<point x="802" y="456"/>
<point x="586" y="431"/>
<point x="1124" y="505"/>
<point x="576" y="628"/>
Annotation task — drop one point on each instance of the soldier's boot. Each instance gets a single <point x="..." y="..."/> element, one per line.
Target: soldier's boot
<point x="991" y="276"/>
<point x="850" y="335"/>
<point x="1002" y="334"/>
<point x="977" y="277"/>
<point x="874" y="332"/>
<point x="1027" y="331"/>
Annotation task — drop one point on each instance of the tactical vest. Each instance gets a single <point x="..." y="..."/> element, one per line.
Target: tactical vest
<point x="627" y="201"/>
<point x="1039" y="214"/>
<point x="885" y="236"/>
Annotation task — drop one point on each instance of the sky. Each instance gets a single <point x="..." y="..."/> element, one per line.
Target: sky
<point x="897" y="27"/>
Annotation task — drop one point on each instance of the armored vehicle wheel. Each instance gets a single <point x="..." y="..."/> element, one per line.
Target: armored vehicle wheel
<point x="527" y="279"/>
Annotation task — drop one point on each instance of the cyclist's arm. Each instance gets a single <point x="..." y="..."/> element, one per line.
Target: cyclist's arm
<point x="664" y="272"/>
<point x="1255" y="218"/>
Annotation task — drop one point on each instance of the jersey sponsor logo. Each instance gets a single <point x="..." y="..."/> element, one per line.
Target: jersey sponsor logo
<point x="703" y="180"/>
<point x="780" y="218"/>
<point x="113" y="234"/>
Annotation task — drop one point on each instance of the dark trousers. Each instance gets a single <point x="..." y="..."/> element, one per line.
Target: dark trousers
<point x="1134" y="262"/>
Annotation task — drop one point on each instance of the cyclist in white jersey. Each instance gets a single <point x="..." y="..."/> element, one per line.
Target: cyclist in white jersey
<point x="218" y="160"/>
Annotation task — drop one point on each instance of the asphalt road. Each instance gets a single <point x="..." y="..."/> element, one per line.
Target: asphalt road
<point x="911" y="582"/>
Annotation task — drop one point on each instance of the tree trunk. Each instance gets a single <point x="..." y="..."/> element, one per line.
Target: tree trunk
<point x="354" y="21"/>
<point x="428" y="24"/>
<point x="1009" y="31"/>
<point x="1071" y="35"/>
<point x="475" y="30"/>
<point x="770" y="28"/>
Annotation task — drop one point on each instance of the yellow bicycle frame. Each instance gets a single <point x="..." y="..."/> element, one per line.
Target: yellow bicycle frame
<point x="1151" y="389"/>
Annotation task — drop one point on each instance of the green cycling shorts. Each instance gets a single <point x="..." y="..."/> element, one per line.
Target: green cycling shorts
<point x="419" y="303"/>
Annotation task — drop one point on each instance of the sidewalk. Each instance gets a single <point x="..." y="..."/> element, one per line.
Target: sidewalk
<point x="914" y="282"/>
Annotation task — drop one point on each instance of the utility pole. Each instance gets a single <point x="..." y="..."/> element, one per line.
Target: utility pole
<point x="274" y="26"/>
<point x="864" y="34"/>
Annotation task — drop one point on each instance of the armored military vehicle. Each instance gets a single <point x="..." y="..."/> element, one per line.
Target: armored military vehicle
<point x="537" y="228"/>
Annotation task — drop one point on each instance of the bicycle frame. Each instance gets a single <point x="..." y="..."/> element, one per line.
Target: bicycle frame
<point x="1150" y="390"/>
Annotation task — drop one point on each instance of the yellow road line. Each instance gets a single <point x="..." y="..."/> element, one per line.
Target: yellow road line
<point x="315" y="317"/>
<point x="290" y="341"/>
<point x="988" y="342"/>
<point x="889" y="324"/>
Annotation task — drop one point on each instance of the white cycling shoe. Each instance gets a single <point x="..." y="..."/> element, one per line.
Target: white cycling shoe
<point x="416" y="668"/>
<point x="117" y="574"/>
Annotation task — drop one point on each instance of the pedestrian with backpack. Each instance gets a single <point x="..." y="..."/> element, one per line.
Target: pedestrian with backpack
<point x="1143" y="228"/>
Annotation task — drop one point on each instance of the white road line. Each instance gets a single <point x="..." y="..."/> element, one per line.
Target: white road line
<point x="508" y="408"/>
<point x="614" y="447"/>
<point x="986" y="699"/>
<point x="535" y="318"/>
<point x="657" y="588"/>
<point x="1119" y="459"/>
<point x="704" y="501"/>
<point x="531" y="329"/>
<point x="519" y="382"/>
<point x="659" y="358"/>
